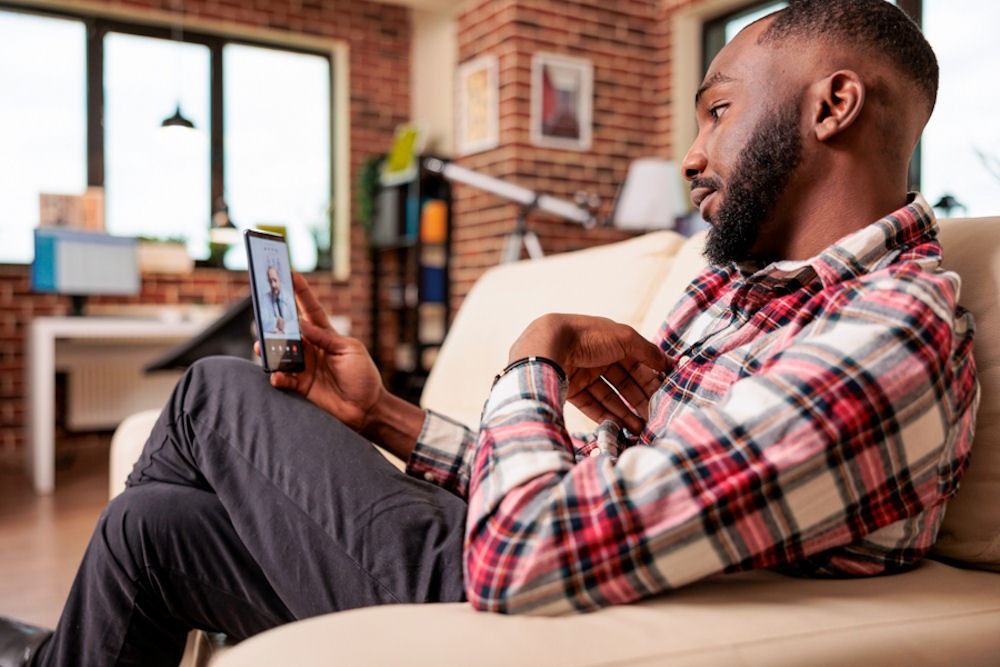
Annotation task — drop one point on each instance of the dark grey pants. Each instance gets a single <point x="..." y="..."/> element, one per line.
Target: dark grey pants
<point x="250" y="508"/>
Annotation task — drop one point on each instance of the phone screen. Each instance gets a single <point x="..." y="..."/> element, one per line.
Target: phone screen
<point x="274" y="306"/>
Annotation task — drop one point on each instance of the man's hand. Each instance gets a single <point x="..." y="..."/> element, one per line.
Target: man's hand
<point x="339" y="374"/>
<point x="611" y="369"/>
<point x="341" y="378"/>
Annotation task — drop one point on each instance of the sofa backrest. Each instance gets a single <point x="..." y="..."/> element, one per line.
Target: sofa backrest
<point x="615" y="281"/>
<point x="970" y="534"/>
<point x="688" y="262"/>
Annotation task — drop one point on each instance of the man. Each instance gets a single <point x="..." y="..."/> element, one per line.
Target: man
<point x="277" y="312"/>
<point x="808" y="405"/>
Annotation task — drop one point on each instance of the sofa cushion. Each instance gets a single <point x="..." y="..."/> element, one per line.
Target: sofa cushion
<point x="970" y="534"/>
<point x="126" y="446"/>
<point x="615" y="281"/>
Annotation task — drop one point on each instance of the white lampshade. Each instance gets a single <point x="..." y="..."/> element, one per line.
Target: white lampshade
<point x="652" y="196"/>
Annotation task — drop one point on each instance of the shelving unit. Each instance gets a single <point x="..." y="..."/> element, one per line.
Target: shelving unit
<point x="411" y="254"/>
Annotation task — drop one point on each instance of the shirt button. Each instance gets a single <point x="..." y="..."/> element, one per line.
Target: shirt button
<point x="594" y="452"/>
<point x="429" y="476"/>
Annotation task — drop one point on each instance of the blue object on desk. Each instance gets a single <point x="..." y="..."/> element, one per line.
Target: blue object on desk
<point x="70" y="261"/>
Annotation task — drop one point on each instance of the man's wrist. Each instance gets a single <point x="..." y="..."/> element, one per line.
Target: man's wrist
<point x="530" y="380"/>
<point x="530" y="359"/>
<point x="545" y="337"/>
<point x="394" y="424"/>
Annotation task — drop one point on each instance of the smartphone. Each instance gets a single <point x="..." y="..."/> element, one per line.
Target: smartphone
<point x="274" y="308"/>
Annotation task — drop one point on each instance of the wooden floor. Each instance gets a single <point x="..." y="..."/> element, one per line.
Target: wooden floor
<point x="42" y="538"/>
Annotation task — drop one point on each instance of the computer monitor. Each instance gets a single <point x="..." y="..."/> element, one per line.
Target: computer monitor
<point x="80" y="264"/>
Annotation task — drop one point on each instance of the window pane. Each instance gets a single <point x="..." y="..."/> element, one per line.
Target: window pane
<point x="734" y="25"/>
<point x="720" y="31"/>
<point x="277" y="138"/>
<point x="157" y="179"/>
<point x="960" y="152"/>
<point x="43" y="137"/>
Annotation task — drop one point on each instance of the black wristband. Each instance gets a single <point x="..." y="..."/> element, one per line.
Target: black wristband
<point x="527" y="360"/>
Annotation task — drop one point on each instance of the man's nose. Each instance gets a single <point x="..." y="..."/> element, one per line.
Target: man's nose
<point x="694" y="162"/>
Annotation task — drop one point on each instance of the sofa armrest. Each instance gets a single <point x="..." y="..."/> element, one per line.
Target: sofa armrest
<point x="126" y="445"/>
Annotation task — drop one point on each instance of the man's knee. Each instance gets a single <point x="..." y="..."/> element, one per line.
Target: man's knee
<point x="213" y="381"/>
<point x="225" y="371"/>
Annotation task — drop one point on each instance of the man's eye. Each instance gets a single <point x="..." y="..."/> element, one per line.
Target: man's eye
<point x="717" y="111"/>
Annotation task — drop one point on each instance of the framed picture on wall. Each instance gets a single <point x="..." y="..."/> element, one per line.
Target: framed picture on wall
<point x="562" y="92"/>
<point x="478" y="107"/>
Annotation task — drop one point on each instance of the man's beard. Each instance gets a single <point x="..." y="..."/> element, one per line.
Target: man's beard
<point x="763" y="169"/>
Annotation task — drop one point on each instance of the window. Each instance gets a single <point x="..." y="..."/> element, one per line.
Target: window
<point x="278" y="145"/>
<point x="156" y="179"/>
<point x="43" y="133"/>
<point x="718" y="32"/>
<point x="960" y="150"/>
<point x="262" y="145"/>
<point x="959" y="155"/>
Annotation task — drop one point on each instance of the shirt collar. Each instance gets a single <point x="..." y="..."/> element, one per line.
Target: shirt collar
<point x="867" y="249"/>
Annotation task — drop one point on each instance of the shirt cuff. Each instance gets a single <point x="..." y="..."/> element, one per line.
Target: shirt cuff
<point x="608" y="438"/>
<point x="535" y="381"/>
<point x="443" y="453"/>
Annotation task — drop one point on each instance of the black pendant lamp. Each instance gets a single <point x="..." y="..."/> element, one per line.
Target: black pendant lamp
<point x="177" y="36"/>
<point x="177" y="120"/>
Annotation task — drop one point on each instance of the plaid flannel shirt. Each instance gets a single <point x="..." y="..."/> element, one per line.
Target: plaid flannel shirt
<point x="818" y="417"/>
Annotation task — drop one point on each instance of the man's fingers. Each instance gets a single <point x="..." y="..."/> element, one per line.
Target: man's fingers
<point x="615" y="408"/>
<point x="641" y="350"/>
<point x="636" y="385"/>
<point x="308" y="304"/>
<point x="599" y="401"/>
<point x="325" y="338"/>
<point x="592" y="407"/>
<point x="636" y="350"/>
<point x="284" y="380"/>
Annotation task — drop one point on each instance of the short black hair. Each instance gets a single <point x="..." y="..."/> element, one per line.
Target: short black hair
<point x="874" y="26"/>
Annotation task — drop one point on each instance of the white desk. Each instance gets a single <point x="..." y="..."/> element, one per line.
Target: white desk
<point x="54" y="340"/>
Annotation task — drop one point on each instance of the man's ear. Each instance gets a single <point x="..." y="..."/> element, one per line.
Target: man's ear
<point x="839" y="99"/>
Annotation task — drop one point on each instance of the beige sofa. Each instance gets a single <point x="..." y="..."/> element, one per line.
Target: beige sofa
<point x="945" y="612"/>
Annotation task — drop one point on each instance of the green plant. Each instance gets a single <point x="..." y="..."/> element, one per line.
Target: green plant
<point x="162" y="239"/>
<point x="368" y="186"/>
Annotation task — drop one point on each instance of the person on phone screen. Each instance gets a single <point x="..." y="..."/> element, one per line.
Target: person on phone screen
<point x="277" y="309"/>
<point x="807" y="406"/>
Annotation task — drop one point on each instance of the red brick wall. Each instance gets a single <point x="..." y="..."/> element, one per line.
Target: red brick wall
<point x="379" y="39"/>
<point x="628" y="44"/>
